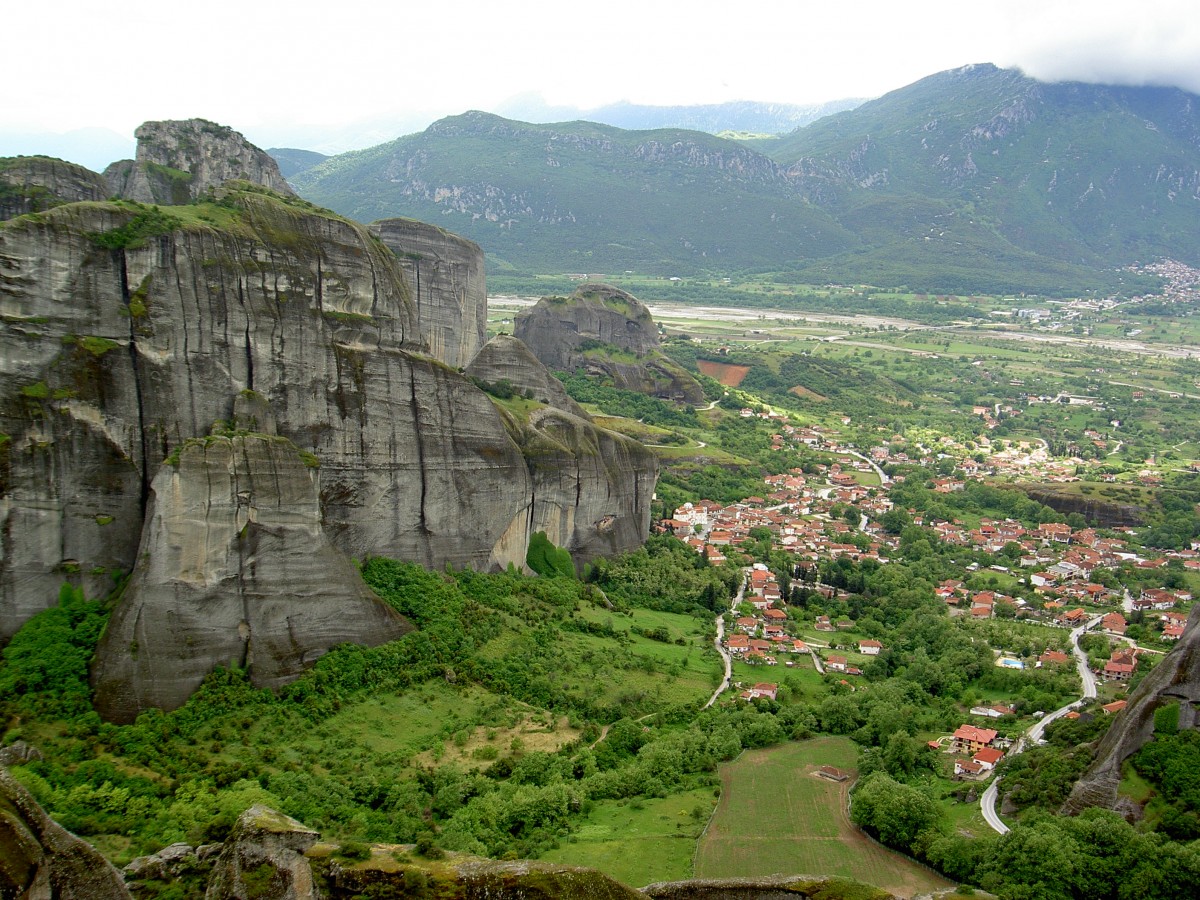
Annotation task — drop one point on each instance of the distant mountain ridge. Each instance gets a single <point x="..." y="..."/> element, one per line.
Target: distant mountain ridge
<point x="739" y="115"/>
<point x="580" y="196"/>
<point x="972" y="180"/>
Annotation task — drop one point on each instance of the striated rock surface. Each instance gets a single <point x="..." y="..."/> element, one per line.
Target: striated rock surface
<point x="180" y="161"/>
<point x="233" y="569"/>
<point x="446" y="275"/>
<point x="1176" y="679"/>
<point x="113" y="358"/>
<point x="606" y="332"/>
<point x="39" y="860"/>
<point x="506" y="358"/>
<point x="249" y="341"/>
<point x="263" y="859"/>
<point x="34" y="183"/>
<point x="591" y="487"/>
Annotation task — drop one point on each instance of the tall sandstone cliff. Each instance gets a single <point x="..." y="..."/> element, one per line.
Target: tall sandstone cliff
<point x="35" y="183"/>
<point x="233" y="556"/>
<point x="130" y="332"/>
<point x="445" y="272"/>
<point x="605" y="331"/>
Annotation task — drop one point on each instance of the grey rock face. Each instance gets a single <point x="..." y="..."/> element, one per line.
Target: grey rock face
<point x="166" y="863"/>
<point x="39" y="860"/>
<point x="179" y="161"/>
<point x="264" y="858"/>
<point x="1175" y="679"/>
<point x="446" y="275"/>
<point x="130" y="333"/>
<point x="35" y="183"/>
<point x="505" y="358"/>
<point x="233" y="569"/>
<point x="584" y="330"/>
<point x="18" y="753"/>
<point x="591" y="488"/>
<point x="305" y="310"/>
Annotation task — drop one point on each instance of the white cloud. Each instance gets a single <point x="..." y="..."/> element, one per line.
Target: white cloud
<point x="268" y="66"/>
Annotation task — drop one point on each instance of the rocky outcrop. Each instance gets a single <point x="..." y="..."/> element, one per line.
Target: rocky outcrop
<point x="180" y="161"/>
<point x="591" y="487"/>
<point x="505" y="358"/>
<point x="115" y="356"/>
<point x="248" y="342"/>
<point x="1097" y="511"/>
<point x="35" y="183"/>
<point x="263" y="859"/>
<point x="39" y="860"/>
<point x="472" y="878"/>
<point x="446" y="275"/>
<point x="1176" y="679"/>
<point x="605" y="332"/>
<point x="233" y="569"/>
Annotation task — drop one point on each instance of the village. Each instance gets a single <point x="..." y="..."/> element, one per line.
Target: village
<point x="1051" y="565"/>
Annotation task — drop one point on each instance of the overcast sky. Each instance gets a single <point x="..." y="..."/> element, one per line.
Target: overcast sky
<point x="328" y="75"/>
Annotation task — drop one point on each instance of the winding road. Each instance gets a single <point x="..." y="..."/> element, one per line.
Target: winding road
<point x="725" y="654"/>
<point x="1033" y="736"/>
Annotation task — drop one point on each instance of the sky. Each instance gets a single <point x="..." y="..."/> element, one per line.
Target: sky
<point x="341" y="74"/>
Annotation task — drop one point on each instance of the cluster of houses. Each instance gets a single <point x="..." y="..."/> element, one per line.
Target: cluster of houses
<point x="761" y="637"/>
<point x="981" y="750"/>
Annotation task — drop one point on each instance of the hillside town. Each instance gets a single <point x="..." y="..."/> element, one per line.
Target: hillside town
<point x="1049" y="573"/>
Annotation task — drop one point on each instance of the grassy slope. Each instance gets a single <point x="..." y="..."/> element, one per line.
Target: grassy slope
<point x="776" y="816"/>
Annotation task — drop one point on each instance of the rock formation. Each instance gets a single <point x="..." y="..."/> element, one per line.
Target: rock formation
<point x="591" y="487"/>
<point x="132" y="331"/>
<point x="609" y="333"/>
<point x="264" y="858"/>
<point x="34" y="183"/>
<point x="180" y="161"/>
<point x="39" y="860"/>
<point x="1175" y="679"/>
<point x="116" y="357"/>
<point x="233" y="556"/>
<point x="446" y="275"/>
<point x="505" y="358"/>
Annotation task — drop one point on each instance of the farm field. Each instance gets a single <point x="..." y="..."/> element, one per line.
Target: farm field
<point x="777" y="816"/>
<point x="641" y="841"/>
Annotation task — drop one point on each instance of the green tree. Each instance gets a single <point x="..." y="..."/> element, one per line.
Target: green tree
<point x="895" y="813"/>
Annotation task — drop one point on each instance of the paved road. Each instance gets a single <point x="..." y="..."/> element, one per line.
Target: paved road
<point x="878" y="471"/>
<point x="725" y="654"/>
<point x="1033" y="736"/>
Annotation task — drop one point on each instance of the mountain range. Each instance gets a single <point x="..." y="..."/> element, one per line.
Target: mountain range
<point x="977" y="179"/>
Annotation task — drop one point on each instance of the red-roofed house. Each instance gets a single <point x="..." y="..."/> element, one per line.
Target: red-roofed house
<point x="870" y="648"/>
<point x="1114" y="623"/>
<point x="988" y="757"/>
<point x="762" y="689"/>
<point x="1054" y="658"/>
<point x="969" y="739"/>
